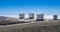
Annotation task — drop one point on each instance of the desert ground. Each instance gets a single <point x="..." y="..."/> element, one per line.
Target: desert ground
<point x="38" y="26"/>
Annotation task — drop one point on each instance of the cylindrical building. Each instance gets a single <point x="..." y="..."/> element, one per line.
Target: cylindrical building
<point x="55" y="17"/>
<point x="21" y="16"/>
<point x="31" y="16"/>
<point x="40" y="17"/>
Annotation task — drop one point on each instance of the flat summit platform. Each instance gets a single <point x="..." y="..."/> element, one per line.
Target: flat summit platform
<point x="40" y="26"/>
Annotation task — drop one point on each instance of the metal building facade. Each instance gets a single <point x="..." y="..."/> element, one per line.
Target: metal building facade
<point x="21" y="16"/>
<point x="40" y="17"/>
<point x="31" y="16"/>
<point x="55" y="17"/>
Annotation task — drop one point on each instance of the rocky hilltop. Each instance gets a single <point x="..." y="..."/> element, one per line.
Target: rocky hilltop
<point x="40" y="26"/>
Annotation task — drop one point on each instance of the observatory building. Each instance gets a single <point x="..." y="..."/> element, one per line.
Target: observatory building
<point x="55" y="17"/>
<point x="40" y="17"/>
<point x="21" y="16"/>
<point x="31" y="16"/>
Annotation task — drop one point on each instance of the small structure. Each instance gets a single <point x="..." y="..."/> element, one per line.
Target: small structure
<point x="31" y="16"/>
<point x="55" y="17"/>
<point x="21" y="16"/>
<point x="40" y="17"/>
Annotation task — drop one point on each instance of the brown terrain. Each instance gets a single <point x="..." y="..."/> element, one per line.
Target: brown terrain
<point x="40" y="26"/>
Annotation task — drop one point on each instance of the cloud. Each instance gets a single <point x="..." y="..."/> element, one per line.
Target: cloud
<point x="48" y="16"/>
<point x="27" y="16"/>
<point x="10" y="15"/>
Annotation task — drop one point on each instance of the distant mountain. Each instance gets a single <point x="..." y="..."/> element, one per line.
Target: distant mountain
<point x="3" y="17"/>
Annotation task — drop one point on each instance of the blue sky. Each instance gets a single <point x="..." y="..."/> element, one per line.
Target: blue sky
<point x="14" y="7"/>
